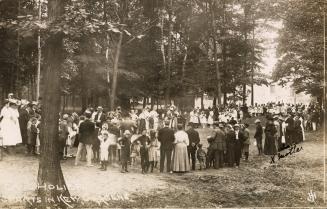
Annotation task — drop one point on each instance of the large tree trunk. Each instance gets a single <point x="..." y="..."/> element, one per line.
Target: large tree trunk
<point x="115" y="73"/>
<point x="169" y="52"/>
<point x="246" y="11"/>
<point x="252" y="65"/>
<point x="105" y="17"/>
<point x="50" y="172"/>
<point x="162" y="41"/>
<point x="214" y="35"/>
<point x="223" y="54"/>
<point x="38" y="75"/>
<point x="83" y="90"/>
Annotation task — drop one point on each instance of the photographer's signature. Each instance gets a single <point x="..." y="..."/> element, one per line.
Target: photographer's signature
<point x="291" y="150"/>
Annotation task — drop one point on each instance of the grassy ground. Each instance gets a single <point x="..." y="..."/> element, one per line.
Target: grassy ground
<point x="255" y="183"/>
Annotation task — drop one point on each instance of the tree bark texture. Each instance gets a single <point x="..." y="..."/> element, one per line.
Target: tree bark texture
<point x="50" y="172"/>
<point x="214" y="37"/>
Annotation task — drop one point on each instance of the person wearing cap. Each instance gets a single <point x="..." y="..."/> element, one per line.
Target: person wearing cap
<point x="144" y="140"/>
<point x="9" y="124"/>
<point x="230" y="145"/>
<point x="219" y="146"/>
<point x="166" y="138"/>
<point x="270" y="147"/>
<point x="194" y="138"/>
<point x="125" y="144"/>
<point x="246" y="144"/>
<point x="86" y="137"/>
<point x="258" y="135"/>
<point x="31" y="135"/>
<point x="99" y="119"/>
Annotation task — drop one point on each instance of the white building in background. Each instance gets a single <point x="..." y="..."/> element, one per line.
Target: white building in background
<point x="276" y="93"/>
<point x="264" y="94"/>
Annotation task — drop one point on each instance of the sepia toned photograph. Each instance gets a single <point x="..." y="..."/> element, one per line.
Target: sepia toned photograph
<point x="162" y="104"/>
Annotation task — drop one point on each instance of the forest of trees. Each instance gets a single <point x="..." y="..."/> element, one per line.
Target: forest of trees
<point x="134" y="49"/>
<point x="150" y="48"/>
<point x="160" y="49"/>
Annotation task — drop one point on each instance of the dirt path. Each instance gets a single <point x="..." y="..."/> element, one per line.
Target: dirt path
<point x="255" y="183"/>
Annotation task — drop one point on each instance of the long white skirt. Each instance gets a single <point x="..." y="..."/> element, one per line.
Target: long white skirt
<point x="180" y="160"/>
<point x="10" y="132"/>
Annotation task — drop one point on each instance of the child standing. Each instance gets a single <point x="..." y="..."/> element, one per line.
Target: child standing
<point x="201" y="155"/>
<point x="135" y="152"/>
<point x="153" y="150"/>
<point x="32" y="135"/>
<point x="104" y="149"/>
<point x="210" y="155"/>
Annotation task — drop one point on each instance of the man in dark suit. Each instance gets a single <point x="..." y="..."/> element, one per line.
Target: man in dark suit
<point x="166" y="138"/>
<point x="194" y="138"/>
<point x="86" y="137"/>
<point x="219" y="145"/>
<point x="239" y="139"/>
<point x="23" y="120"/>
<point x="99" y="117"/>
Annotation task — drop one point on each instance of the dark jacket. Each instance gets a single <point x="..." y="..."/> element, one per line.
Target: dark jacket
<point x="166" y="138"/>
<point x="258" y="132"/>
<point x="290" y="122"/>
<point x="87" y="132"/>
<point x="23" y="120"/>
<point x="125" y="144"/>
<point x="194" y="137"/>
<point x="270" y="147"/>
<point x="144" y="140"/>
<point x="219" y="142"/>
<point x="102" y="119"/>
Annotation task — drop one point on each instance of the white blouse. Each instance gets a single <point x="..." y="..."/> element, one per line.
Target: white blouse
<point x="181" y="137"/>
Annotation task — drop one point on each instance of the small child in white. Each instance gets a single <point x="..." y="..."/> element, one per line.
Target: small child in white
<point x="104" y="149"/>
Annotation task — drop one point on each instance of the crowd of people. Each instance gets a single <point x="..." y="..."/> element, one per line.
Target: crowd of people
<point x="166" y="137"/>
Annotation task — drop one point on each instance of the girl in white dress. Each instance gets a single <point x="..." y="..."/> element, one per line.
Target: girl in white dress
<point x="203" y="120"/>
<point x="9" y="125"/>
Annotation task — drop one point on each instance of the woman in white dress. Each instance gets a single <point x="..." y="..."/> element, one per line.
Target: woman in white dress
<point x="180" y="160"/>
<point x="9" y="125"/>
